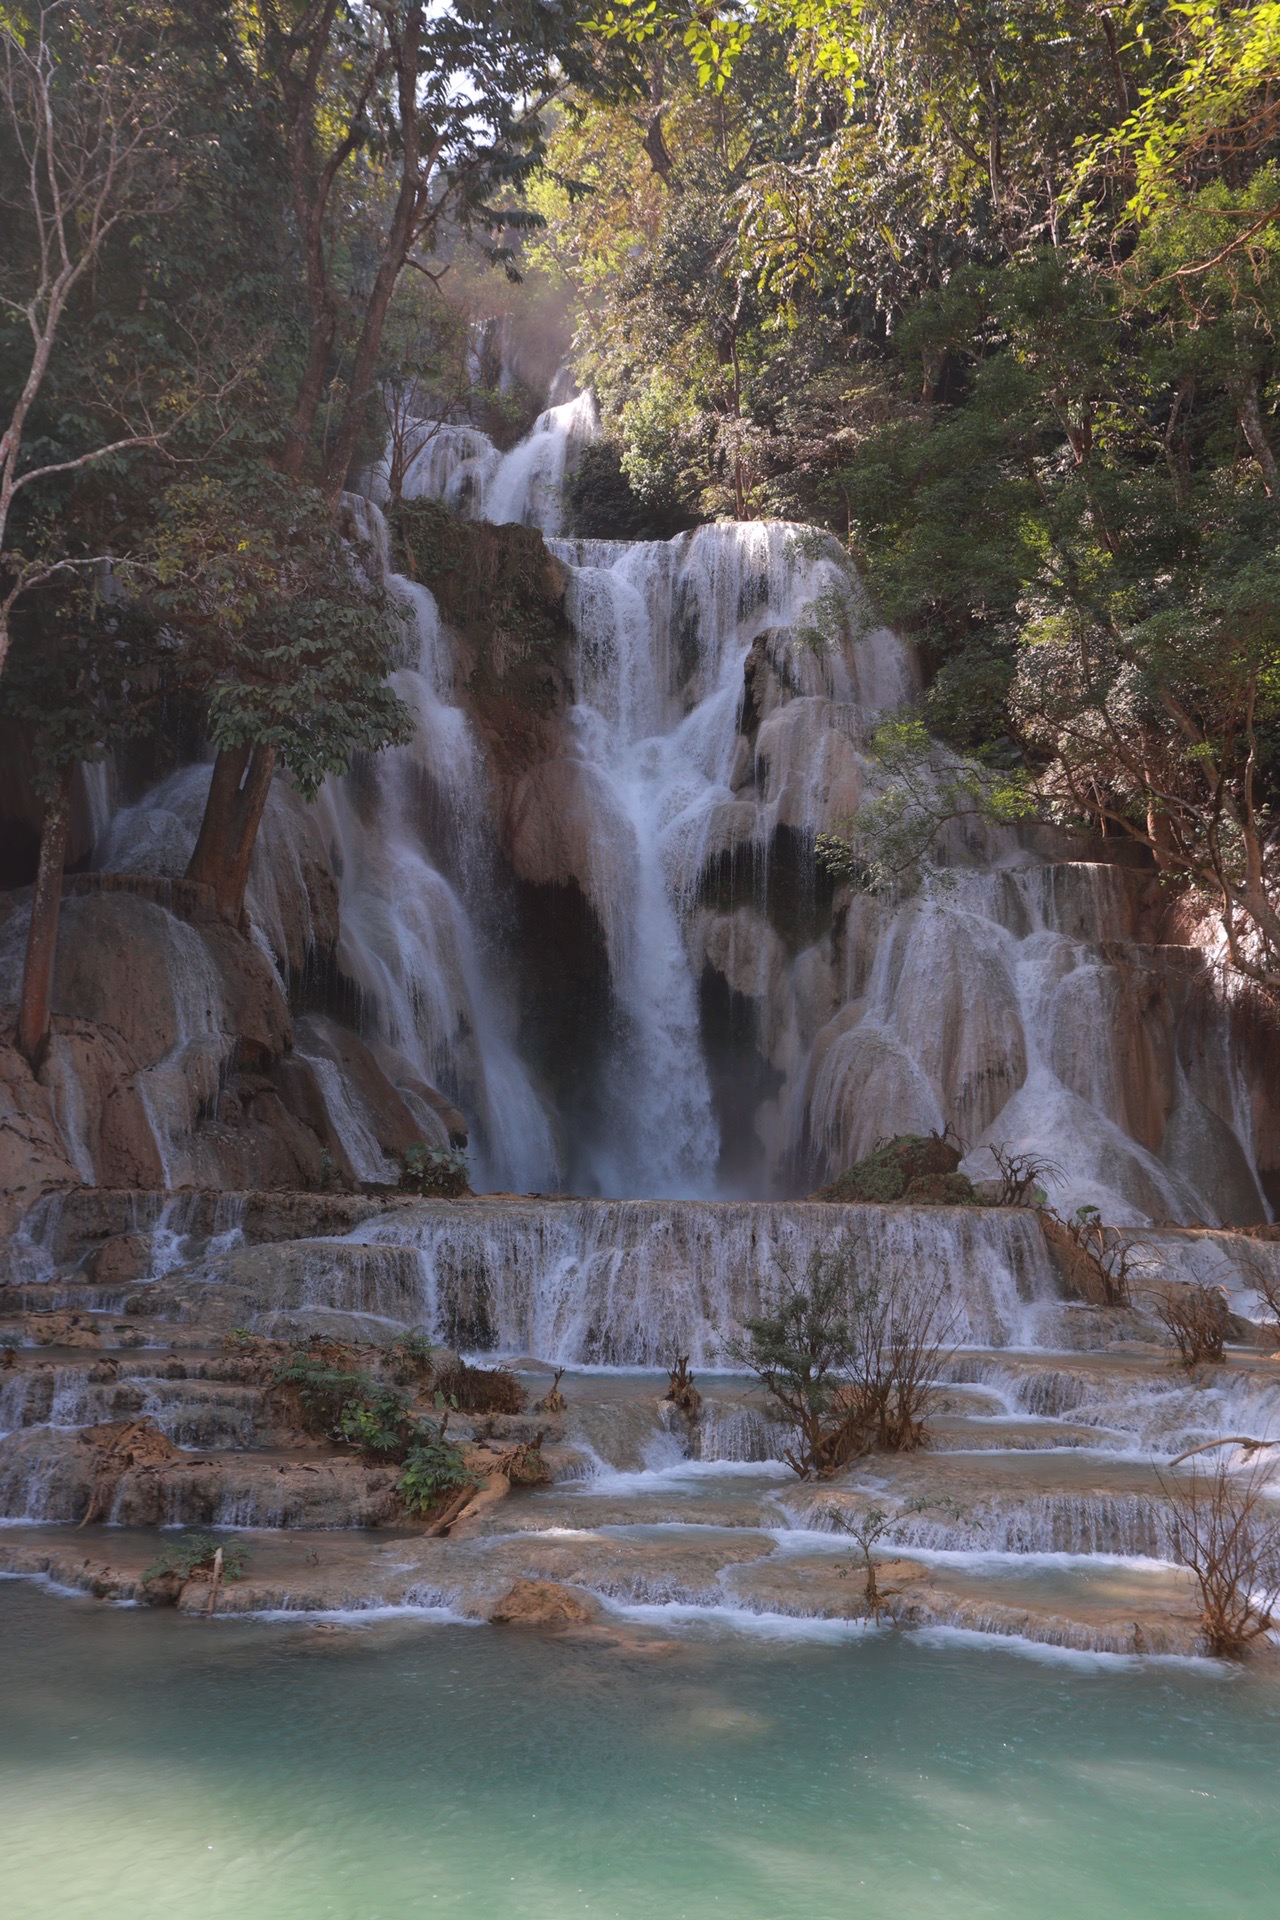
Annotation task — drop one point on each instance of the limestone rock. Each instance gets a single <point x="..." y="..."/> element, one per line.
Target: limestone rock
<point x="63" y="1328"/>
<point x="542" y="1603"/>
<point x="33" y="1156"/>
<point x="121" y="1260"/>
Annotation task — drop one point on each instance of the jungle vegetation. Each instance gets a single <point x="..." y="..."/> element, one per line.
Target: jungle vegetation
<point x="986" y="287"/>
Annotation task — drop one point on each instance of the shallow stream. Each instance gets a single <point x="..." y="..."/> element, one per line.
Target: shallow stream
<point x="153" y="1765"/>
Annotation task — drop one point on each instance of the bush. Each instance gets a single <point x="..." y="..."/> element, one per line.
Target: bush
<point x="1022" y="1177"/>
<point x="194" y="1553"/>
<point x="435" y="1172"/>
<point x="1228" y="1536"/>
<point x="410" y="1356"/>
<point x="374" y="1420"/>
<point x="920" y="1168"/>
<point x="1099" y="1260"/>
<point x="433" y="1468"/>
<point x="479" y="1389"/>
<point x="333" y="1402"/>
<point x="1197" y="1319"/>
<point x="848" y="1362"/>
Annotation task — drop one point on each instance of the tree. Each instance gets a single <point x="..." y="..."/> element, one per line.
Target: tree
<point x="430" y="119"/>
<point x="284" y="636"/>
<point x="80" y="680"/>
<point x="85" y="126"/>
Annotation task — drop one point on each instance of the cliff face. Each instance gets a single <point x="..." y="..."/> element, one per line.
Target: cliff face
<point x="174" y="1061"/>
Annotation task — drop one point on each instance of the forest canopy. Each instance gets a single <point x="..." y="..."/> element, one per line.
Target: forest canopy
<point x="988" y="288"/>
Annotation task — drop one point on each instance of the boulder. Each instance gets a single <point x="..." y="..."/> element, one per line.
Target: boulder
<point x="121" y="1260"/>
<point x="543" y="1603"/>
<point x="919" y="1169"/>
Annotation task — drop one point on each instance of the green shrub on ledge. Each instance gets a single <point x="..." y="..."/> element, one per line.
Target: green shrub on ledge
<point x="915" y="1169"/>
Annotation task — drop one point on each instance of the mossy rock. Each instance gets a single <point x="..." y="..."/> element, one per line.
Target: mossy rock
<point x="499" y="585"/>
<point x="940" y="1190"/>
<point x="915" y="1167"/>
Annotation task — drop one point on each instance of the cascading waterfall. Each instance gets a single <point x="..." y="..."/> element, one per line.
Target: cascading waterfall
<point x="759" y="1035"/>
<point x="407" y="939"/>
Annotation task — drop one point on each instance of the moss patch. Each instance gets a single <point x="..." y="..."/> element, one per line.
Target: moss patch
<point x="498" y="585"/>
<point x="918" y="1169"/>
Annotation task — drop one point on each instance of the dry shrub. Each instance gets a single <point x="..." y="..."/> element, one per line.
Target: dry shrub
<point x="1098" y="1262"/>
<point x="680" y="1388"/>
<point x="1227" y="1532"/>
<point x="1197" y="1320"/>
<point x="1022" y="1177"/>
<point x="1267" y="1285"/>
<point x="848" y="1362"/>
<point x="479" y="1389"/>
<point x="553" y="1401"/>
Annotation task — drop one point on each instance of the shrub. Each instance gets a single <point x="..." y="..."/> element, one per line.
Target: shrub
<point x="433" y="1468"/>
<point x="849" y="1362"/>
<point x="1197" y="1319"/>
<point x="885" y="1174"/>
<point x="317" y="1389"/>
<point x="1101" y="1259"/>
<point x="1022" y="1177"/>
<point x="335" y="1402"/>
<point x="553" y="1401"/>
<point x="175" y="1564"/>
<point x="410" y="1357"/>
<point x="681" y="1390"/>
<point x="1227" y="1533"/>
<point x="374" y="1420"/>
<point x="479" y="1389"/>
<point x="435" y="1172"/>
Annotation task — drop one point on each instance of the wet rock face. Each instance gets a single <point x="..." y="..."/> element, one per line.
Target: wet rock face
<point x="174" y="1060"/>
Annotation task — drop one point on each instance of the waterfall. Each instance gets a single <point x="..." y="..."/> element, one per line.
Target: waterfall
<point x="738" y="1028"/>
<point x="414" y="940"/>
<point x="631" y="1282"/>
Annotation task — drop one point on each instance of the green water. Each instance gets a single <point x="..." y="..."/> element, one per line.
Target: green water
<point x="154" y="1766"/>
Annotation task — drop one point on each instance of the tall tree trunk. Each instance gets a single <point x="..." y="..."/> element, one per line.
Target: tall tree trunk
<point x="1249" y="414"/>
<point x="42" y="935"/>
<point x="229" y="830"/>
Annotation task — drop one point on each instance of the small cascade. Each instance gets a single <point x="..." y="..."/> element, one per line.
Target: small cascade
<point x="628" y="1283"/>
<point x="464" y="469"/>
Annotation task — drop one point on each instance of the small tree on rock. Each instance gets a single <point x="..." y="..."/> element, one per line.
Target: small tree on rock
<point x="848" y="1360"/>
<point x="288" y="641"/>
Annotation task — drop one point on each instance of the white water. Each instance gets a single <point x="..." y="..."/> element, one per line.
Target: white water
<point x="724" y="686"/>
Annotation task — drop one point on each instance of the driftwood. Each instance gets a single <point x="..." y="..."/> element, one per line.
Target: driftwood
<point x="552" y="1401"/>
<point x="680" y="1388"/>
<point x="215" y="1581"/>
<point x="1231" y="1440"/>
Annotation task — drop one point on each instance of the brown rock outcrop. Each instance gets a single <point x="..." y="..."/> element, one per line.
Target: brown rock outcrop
<point x="542" y="1603"/>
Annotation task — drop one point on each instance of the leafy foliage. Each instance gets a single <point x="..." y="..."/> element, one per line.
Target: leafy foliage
<point x="340" y="1403"/>
<point x="439" y="1172"/>
<point x="288" y="641"/>
<point x="434" y="1467"/>
<point x="194" y="1553"/>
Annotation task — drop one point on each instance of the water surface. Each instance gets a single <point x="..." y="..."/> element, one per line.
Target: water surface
<point x="152" y="1766"/>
